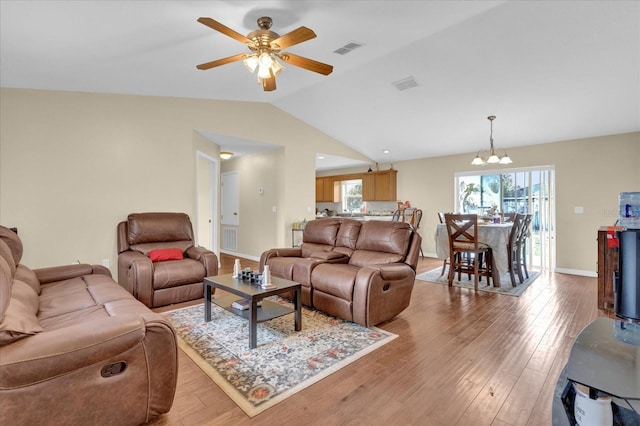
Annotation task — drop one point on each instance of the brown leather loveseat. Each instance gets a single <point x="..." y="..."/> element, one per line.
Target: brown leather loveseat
<point x="77" y="349"/>
<point x="172" y="279"/>
<point x="359" y="271"/>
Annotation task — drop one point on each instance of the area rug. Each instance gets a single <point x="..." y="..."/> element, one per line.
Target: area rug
<point x="505" y="287"/>
<point x="285" y="361"/>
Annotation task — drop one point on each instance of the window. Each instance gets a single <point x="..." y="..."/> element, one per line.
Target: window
<point x="528" y="190"/>
<point x="351" y="195"/>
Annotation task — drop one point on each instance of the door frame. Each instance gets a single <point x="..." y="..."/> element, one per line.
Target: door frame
<point x="211" y="199"/>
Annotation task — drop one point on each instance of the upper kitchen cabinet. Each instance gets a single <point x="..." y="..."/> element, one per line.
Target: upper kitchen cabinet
<point x="327" y="190"/>
<point x="379" y="186"/>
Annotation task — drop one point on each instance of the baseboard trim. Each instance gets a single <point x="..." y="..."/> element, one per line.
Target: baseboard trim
<point x="242" y="255"/>
<point x="577" y="272"/>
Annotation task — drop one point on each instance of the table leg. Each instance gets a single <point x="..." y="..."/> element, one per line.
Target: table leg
<point x="297" y="301"/>
<point x="207" y="302"/>
<point x="496" y="273"/>
<point x="253" y="324"/>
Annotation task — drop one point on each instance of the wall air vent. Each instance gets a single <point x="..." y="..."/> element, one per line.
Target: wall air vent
<point x="352" y="45"/>
<point x="406" y="83"/>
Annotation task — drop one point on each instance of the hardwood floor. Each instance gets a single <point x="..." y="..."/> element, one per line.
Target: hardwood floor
<point x="460" y="358"/>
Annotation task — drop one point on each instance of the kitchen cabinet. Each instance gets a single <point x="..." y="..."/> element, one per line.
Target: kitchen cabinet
<point x="379" y="186"/>
<point x="327" y="190"/>
<point x="607" y="264"/>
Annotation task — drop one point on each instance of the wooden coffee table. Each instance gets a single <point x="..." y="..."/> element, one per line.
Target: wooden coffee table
<point x="253" y="293"/>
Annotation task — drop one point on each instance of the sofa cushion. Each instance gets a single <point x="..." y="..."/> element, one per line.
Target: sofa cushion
<point x="77" y="294"/>
<point x="19" y="318"/>
<point x="27" y="275"/>
<point x="147" y="247"/>
<point x="319" y="235"/>
<point x="162" y="255"/>
<point x="365" y="258"/>
<point x="5" y="286"/>
<point x="13" y="242"/>
<point x="387" y="237"/>
<point x="7" y="256"/>
<point x="154" y="227"/>
<point x="177" y="272"/>
<point x="335" y="279"/>
<point x="348" y="236"/>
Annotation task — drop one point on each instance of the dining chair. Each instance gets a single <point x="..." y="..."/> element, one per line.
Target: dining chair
<point x="445" y="262"/>
<point x="466" y="253"/>
<point x="398" y="215"/>
<point x="525" y="234"/>
<point x="416" y="218"/>
<point x="514" y="250"/>
<point x="509" y="217"/>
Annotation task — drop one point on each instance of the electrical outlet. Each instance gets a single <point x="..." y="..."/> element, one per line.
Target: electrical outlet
<point x="105" y="263"/>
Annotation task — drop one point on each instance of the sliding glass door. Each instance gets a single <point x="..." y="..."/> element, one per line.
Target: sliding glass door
<point x="529" y="190"/>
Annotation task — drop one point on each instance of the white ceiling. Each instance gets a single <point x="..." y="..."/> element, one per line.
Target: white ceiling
<point x="549" y="71"/>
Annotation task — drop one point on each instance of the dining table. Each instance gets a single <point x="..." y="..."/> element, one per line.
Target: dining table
<point x="495" y="235"/>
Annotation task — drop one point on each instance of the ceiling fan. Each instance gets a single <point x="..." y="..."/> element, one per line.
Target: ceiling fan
<point x="266" y="48"/>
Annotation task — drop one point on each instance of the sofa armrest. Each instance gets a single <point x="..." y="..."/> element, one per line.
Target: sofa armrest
<point x="135" y="274"/>
<point x="66" y="272"/>
<point x="208" y="259"/>
<point x="57" y="352"/>
<point x="381" y="292"/>
<point x="279" y="252"/>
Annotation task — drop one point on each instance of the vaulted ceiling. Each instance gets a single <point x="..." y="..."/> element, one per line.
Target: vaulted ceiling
<point x="549" y="71"/>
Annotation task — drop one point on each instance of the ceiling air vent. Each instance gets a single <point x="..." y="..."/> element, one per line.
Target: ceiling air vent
<point x="406" y="83"/>
<point x="352" y="45"/>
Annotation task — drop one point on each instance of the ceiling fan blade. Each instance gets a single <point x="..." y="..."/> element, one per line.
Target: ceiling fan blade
<point x="222" y="61"/>
<point x="269" y="84"/>
<point x="294" y="37"/>
<point x="306" y="63"/>
<point x="215" y="25"/>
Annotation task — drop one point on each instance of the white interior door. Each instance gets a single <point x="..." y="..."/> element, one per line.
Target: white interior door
<point x="230" y="199"/>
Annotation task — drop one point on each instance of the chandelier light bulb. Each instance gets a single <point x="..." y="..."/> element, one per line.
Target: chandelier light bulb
<point x="493" y="158"/>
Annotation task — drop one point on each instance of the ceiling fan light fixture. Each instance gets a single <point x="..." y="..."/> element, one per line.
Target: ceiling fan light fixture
<point x="251" y="63"/>
<point x="265" y="46"/>
<point x="225" y="155"/>
<point x="277" y="67"/>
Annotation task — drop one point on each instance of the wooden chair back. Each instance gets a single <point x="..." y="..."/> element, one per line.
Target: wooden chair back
<point x="462" y="230"/>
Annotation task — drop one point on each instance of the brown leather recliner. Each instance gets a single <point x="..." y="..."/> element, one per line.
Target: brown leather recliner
<point x="358" y="271"/>
<point x="144" y="236"/>
<point x="77" y="349"/>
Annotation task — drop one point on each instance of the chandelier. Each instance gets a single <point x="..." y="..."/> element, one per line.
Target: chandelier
<point x="493" y="158"/>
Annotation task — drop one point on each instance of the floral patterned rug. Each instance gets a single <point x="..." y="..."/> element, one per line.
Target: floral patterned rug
<point x="284" y="362"/>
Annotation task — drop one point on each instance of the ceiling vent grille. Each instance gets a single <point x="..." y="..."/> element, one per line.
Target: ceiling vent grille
<point x="406" y="83"/>
<point x="352" y="45"/>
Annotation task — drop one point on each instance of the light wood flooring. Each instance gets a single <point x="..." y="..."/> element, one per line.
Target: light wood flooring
<point x="461" y="358"/>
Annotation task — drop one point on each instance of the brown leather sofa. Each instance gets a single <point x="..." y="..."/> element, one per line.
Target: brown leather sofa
<point x="77" y="349"/>
<point x="359" y="271"/>
<point x="164" y="282"/>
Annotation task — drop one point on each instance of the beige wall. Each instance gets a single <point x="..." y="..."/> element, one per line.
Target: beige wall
<point x="589" y="173"/>
<point x="72" y="165"/>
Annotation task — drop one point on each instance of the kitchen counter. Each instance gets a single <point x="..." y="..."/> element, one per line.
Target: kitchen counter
<point x="361" y="216"/>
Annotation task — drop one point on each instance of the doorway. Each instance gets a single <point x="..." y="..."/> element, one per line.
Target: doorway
<point x="206" y="199"/>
